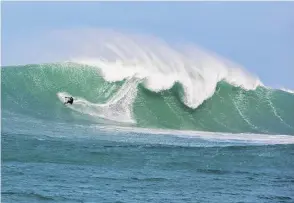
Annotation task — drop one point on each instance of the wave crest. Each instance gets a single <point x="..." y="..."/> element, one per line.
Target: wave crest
<point x="33" y="90"/>
<point x="160" y="65"/>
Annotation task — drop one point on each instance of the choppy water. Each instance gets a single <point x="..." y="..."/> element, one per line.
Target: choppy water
<point x="74" y="164"/>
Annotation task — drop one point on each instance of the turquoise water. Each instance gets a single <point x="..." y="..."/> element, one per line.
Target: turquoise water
<point x="235" y="147"/>
<point x="32" y="90"/>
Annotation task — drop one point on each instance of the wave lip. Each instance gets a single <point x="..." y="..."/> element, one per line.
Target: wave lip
<point x="121" y="56"/>
<point x="287" y="90"/>
<point x="146" y="82"/>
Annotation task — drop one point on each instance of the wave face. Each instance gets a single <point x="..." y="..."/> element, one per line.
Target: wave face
<point x="136" y="98"/>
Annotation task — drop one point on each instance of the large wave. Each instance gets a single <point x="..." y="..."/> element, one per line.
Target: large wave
<point x="39" y="90"/>
<point x="161" y="65"/>
<point x="146" y="82"/>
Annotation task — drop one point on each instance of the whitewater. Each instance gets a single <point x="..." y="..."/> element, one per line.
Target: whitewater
<point x="151" y="122"/>
<point x="144" y="82"/>
<point x="161" y="66"/>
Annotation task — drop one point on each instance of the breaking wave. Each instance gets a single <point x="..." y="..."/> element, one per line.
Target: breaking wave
<point x="147" y="83"/>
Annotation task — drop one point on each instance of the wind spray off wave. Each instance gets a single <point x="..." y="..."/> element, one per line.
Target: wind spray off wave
<point x="147" y="83"/>
<point x="161" y="65"/>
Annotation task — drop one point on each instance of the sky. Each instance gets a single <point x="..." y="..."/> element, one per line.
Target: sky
<point x="256" y="35"/>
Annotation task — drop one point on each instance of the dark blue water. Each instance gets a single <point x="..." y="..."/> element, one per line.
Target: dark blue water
<point x="46" y="161"/>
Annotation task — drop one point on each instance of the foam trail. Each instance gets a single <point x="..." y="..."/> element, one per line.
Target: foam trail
<point x="120" y="56"/>
<point x="118" y="108"/>
<point x="259" y="139"/>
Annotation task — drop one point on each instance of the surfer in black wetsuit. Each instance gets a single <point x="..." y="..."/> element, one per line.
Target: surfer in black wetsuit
<point x="69" y="100"/>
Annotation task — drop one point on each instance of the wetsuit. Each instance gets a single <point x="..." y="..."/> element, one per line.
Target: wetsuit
<point x="69" y="101"/>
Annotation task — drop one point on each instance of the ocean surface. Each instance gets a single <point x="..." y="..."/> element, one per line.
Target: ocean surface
<point x="144" y="130"/>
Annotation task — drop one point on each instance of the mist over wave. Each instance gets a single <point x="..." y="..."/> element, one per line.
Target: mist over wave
<point x="144" y="82"/>
<point x="121" y="55"/>
<point x="160" y="65"/>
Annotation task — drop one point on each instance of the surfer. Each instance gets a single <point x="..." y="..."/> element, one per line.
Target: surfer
<point x="69" y="100"/>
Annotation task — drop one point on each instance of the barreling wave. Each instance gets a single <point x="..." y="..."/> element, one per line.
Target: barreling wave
<point x="38" y="91"/>
<point x="145" y="82"/>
